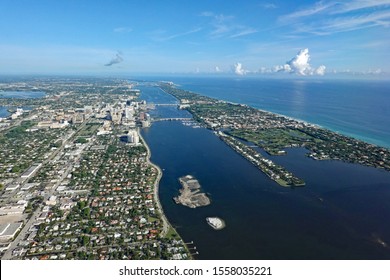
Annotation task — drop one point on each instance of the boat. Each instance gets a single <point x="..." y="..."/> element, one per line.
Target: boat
<point x="216" y="223"/>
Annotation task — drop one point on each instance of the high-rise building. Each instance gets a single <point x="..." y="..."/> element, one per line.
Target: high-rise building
<point x="133" y="137"/>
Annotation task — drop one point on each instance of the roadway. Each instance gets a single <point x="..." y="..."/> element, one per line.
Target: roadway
<point x="33" y="219"/>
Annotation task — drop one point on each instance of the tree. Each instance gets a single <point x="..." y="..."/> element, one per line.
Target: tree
<point x="85" y="240"/>
<point x="86" y="212"/>
<point x="81" y="140"/>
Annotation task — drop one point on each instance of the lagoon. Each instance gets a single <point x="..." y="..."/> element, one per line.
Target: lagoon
<point x="342" y="212"/>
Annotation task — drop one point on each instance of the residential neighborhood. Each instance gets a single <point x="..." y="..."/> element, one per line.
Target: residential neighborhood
<point x="76" y="180"/>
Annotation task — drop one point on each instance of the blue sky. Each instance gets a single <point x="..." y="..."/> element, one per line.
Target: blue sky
<point x="241" y="37"/>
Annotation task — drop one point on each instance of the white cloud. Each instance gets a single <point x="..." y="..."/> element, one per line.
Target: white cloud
<point x="320" y="70"/>
<point x="160" y="34"/>
<point x="207" y="14"/>
<point x="243" y="32"/>
<point x="300" y="65"/>
<point x="238" y="70"/>
<point x="268" y="6"/>
<point x="265" y="70"/>
<point x="226" y="26"/>
<point x="217" y="69"/>
<point x="319" y="7"/>
<point x="361" y="4"/>
<point x="324" y="18"/>
<point x="282" y="68"/>
<point x="123" y="30"/>
<point x="375" y="72"/>
<point x="356" y="22"/>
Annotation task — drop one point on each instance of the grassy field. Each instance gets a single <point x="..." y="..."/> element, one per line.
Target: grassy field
<point x="273" y="140"/>
<point x="89" y="130"/>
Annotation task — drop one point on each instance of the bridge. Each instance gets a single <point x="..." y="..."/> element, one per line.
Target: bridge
<point x="164" y="104"/>
<point x="172" y="119"/>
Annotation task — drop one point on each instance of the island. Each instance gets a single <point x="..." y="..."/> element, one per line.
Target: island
<point x="216" y="223"/>
<point x="241" y="126"/>
<point x="190" y="194"/>
<point x="274" y="171"/>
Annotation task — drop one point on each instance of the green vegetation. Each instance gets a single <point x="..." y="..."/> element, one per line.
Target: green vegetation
<point x="171" y="233"/>
<point x="89" y="129"/>
<point x="56" y="144"/>
<point x="115" y="208"/>
<point x="81" y="140"/>
<point x="103" y="192"/>
<point x="273" y="140"/>
<point x="20" y="130"/>
<point x="184" y="95"/>
<point x="274" y="171"/>
<point x="273" y="132"/>
<point x="20" y="148"/>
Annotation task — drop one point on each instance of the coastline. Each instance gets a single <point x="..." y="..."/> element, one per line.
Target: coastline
<point x="334" y="145"/>
<point x="212" y="245"/>
<point x="168" y="229"/>
<point x="166" y="224"/>
<point x="353" y="134"/>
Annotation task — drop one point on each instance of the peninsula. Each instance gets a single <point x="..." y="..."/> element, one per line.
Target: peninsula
<point x="274" y="133"/>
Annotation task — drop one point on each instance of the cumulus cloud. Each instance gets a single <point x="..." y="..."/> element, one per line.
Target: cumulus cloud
<point x="239" y="70"/>
<point x="282" y="68"/>
<point x="265" y="70"/>
<point x="300" y="65"/>
<point x="320" y="70"/>
<point x="117" y="59"/>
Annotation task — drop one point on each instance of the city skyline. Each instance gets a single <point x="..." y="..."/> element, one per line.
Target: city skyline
<point x="254" y="37"/>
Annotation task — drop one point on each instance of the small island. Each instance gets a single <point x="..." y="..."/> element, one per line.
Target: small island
<point x="190" y="194"/>
<point x="216" y="223"/>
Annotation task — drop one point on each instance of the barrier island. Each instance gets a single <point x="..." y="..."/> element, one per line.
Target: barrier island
<point x="274" y="133"/>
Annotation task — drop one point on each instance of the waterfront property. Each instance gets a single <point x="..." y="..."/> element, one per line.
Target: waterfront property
<point x="256" y="126"/>
<point x="69" y="188"/>
<point x="265" y="221"/>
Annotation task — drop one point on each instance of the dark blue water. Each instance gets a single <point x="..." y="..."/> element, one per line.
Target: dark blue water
<point x="342" y="213"/>
<point x="18" y="94"/>
<point x="3" y="112"/>
<point x="21" y="94"/>
<point x="358" y="108"/>
<point x="154" y="95"/>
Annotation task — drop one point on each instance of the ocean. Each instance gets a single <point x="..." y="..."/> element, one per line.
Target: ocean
<point x="341" y="213"/>
<point x="357" y="108"/>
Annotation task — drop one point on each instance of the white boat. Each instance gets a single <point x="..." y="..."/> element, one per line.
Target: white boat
<point x="215" y="222"/>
